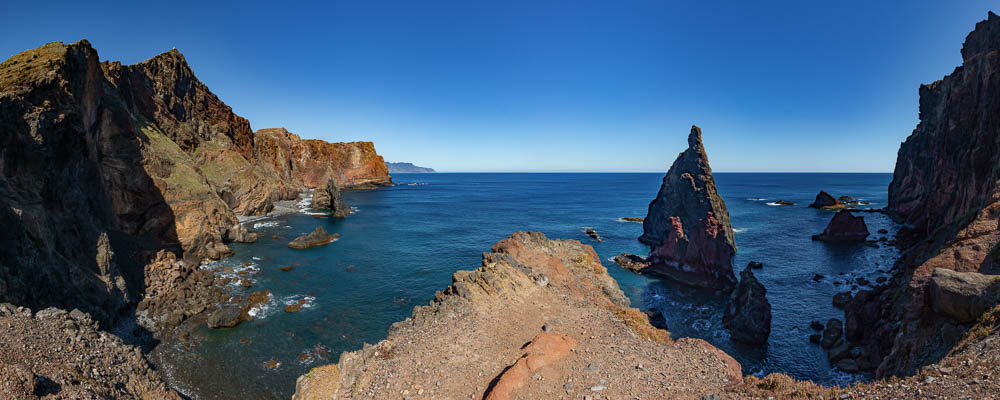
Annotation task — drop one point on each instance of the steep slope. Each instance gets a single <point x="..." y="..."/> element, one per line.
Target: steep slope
<point x="688" y="226"/>
<point x="103" y="165"/>
<point x="554" y="294"/>
<point x="944" y="189"/>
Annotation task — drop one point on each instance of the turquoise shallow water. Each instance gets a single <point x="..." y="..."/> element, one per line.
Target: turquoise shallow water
<point x="406" y="241"/>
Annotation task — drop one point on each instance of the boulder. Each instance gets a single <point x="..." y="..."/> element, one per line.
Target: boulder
<point x="963" y="296"/>
<point x="317" y="237"/>
<point x="328" y="196"/>
<point x="748" y="317"/>
<point x="231" y="315"/>
<point x="656" y="318"/>
<point x="844" y="227"/>
<point x="239" y="233"/>
<point x="631" y="262"/>
<point x="593" y="234"/>
<point x="688" y="226"/>
<point x="824" y="200"/>
<point x="841" y="299"/>
<point x="834" y="330"/>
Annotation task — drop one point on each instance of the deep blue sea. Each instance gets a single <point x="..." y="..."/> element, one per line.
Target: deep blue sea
<point x="406" y="241"/>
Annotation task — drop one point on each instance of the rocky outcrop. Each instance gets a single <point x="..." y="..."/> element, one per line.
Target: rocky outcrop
<point x="311" y="163"/>
<point x="748" y="316"/>
<point x="553" y="296"/>
<point x="328" y="196"/>
<point x="317" y="237"/>
<point x="844" y="227"/>
<point x="688" y="226"/>
<point x="944" y="191"/>
<point x="631" y="262"/>
<point x="63" y="355"/>
<point x="824" y="200"/>
<point x="963" y="296"/>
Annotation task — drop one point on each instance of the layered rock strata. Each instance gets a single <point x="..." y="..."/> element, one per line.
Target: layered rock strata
<point x="687" y="225"/>
<point x="551" y="295"/>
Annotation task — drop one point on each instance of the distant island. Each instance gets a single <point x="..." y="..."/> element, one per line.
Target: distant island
<point x="405" y="167"/>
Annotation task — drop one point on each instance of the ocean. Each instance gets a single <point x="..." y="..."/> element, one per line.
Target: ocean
<point x="404" y="243"/>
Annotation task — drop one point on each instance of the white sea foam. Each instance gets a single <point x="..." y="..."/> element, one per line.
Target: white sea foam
<point x="255" y="258"/>
<point x="739" y="230"/>
<point x="771" y="203"/>
<point x="263" y="310"/>
<point x="756" y="199"/>
<point x="314" y="213"/>
<point x="267" y="224"/>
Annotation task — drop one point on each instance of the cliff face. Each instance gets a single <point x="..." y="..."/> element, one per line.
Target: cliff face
<point x="553" y="294"/>
<point x="104" y="165"/>
<point x="688" y="224"/>
<point x="944" y="189"/>
<point x="311" y="163"/>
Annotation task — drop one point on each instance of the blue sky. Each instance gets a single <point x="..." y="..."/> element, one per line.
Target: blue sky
<point x="551" y="86"/>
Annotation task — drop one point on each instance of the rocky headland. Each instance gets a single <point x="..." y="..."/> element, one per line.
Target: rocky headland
<point x="406" y="168"/>
<point x="687" y="226"/>
<point x="118" y="181"/>
<point x="539" y="319"/>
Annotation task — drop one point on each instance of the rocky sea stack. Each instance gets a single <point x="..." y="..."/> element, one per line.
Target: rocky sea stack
<point x="687" y="225"/>
<point x="844" y="227"/>
<point x="328" y="196"/>
<point x="748" y="317"/>
<point x="317" y="237"/>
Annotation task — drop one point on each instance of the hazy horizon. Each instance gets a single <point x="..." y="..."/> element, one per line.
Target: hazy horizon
<point x="547" y="86"/>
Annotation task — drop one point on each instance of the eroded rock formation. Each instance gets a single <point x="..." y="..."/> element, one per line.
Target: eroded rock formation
<point x="844" y="227"/>
<point x="328" y="196"/>
<point x="944" y="190"/>
<point x="317" y="237"/>
<point x="748" y="316"/>
<point x="311" y="162"/>
<point x="553" y="294"/>
<point x="688" y="226"/>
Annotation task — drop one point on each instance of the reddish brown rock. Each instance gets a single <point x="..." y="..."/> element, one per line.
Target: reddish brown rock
<point x="688" y="224"/>
<point x="844" y="227"/>
<point x="312" y="163"/>
<point x="317" y="237"/>
<point x="544" y="349"/>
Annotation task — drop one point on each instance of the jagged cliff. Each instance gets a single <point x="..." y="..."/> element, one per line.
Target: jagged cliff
<point x="553" y="294"/>
<point x="944" y="190"/>
<point x="687" y="225"/>
<point x="103" y="165"/>
<point x="311" y="163"/>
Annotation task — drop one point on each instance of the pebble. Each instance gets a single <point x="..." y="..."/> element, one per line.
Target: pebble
<point x="546" y="328"/>
<point x="592" y="367"/>
<point x="597" y="388"/>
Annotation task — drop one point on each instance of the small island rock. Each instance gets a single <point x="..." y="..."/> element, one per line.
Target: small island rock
<point x="318" y="237"/>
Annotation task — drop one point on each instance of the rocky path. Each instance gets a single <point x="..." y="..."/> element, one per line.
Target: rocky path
<point x="457" y="347"/>
<point x="60" y="355"/>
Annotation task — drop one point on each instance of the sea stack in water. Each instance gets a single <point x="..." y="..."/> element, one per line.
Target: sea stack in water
<point x="825" y="200"/>
<point x="318" y="237"/>
<point x="688" y="225"/>
<point x="844" y="227"/>
<point x="748" y="317"/>
<point x="328" y="195"/>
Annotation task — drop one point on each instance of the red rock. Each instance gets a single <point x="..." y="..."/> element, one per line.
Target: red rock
<point x="688" y="223"/>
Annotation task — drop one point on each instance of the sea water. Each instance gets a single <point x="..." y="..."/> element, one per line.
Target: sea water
<point x="404" y="242"/>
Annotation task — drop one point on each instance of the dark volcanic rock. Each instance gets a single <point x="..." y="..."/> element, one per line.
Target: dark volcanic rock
<point x="844" y="227"/>
<point x="231" y="315"/>
<point x="688" y="225"/>
<point x="592" y="233"/>
<point x="748" y="317"/>
<point x="834" y="330"/>
<point x="841" y="299"/>
<point x="631" y="262"/>
<point x="824" y="200"/>
<point x="317" y="237"/>
<point x="328" y="196"/>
